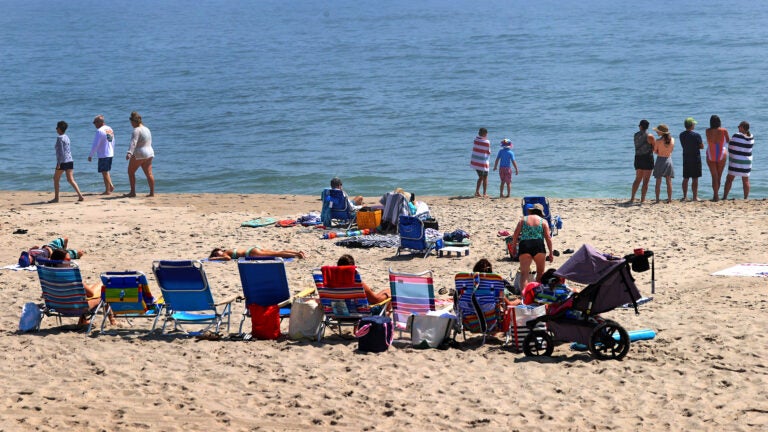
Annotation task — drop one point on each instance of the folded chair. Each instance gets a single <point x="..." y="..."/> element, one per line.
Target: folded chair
<point x="187" y="297"/>
<point x="395" y="205"/>
<point x="336" y="207"/>
<point x="413" y="236"/>
<point x="554" y="221"/>
<point x="63" y="292"/>
<point x="412" y="294"/>
<point x="479" y="299"/>
<point x="342" y="297"/>
<point x="265" y="283"/>
<point x="126" y="295"/>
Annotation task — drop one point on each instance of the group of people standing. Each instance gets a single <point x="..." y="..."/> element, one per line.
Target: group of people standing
<point x="139" y="155"/>
<point x="736" y="150"/>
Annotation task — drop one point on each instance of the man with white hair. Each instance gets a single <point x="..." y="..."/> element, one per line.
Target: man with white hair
<point x="104" y="148"/>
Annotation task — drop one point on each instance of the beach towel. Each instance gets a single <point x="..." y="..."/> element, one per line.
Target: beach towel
<point x="259" y="222"/>
<point x="16" y="267"/>
<point x="339" y="277"/>
<point x="369" y="241"/>
<point x="748" y="269"/>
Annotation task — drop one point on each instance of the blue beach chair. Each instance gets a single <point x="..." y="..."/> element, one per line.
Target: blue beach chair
<point x="554" y="221"/>
<point x="265" y="283"/>
<point x="413" y="236"/>
<point x="187" y="297"/>
<point x="336" y="207"/>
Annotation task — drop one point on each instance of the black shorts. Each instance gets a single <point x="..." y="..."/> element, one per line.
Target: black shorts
<point x="105" y="164"/>
<point x="66" y="166"/>
<point x="644" y="162"/>
<point x="531" y="247"/>
<point x="692" y="168"/>
<point x="482" y="174"/>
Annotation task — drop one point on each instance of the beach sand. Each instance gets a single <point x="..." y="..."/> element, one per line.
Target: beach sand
<point x="707" y="368"/>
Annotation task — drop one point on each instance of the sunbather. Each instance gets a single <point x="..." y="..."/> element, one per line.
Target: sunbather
<point x="92" y="291"/>
<point x="373" y="297"/>
<point x="222" y="254"/>
<point x="46" y="251"/>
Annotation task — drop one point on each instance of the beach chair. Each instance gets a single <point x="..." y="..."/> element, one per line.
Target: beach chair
<point x="336" y="207"/>
<point x="126" y="295"/>
<point x="187" y="297"/>
<point x="413" y="237"/>
<point x="342" y="297"/>
<point x="395" y="205"/>
<point x="412" y="294"/>
<point x="64" y="294"/>
<point x="478" y="302"/>
<point x="265" y="283"/>
<point x="555" y="222"/>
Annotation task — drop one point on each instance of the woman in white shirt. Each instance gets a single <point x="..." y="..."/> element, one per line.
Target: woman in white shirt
<point x="140" y="154"/>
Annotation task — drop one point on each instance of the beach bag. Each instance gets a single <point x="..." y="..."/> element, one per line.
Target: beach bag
<point x="368" y="218"/>
<point x="306" y="319"/>
<point x="429" y="331"/>
<point x="265" y="321"/>
<point x="512" y="252"/>
<point x="515" y="320"/>
<point x="431" y="223"/>
<point x="374" y="334"/>
<point x="518" y="284"/>
<point x="31" y="316"/>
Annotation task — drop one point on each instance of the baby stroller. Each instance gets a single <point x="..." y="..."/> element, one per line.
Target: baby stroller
<point x="609" y="285"/>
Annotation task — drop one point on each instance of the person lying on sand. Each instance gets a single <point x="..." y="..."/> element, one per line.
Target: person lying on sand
<point x="46" y="251"/>
<point x="222" y="254"/>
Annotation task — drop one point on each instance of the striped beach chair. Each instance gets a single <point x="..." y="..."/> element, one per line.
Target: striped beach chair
<point x="126" y="295"/>
<point x="64" y="294"/>
<point x="479" y="303"/>
<point x="342" y="297"/>
<point x="412" y="294"/>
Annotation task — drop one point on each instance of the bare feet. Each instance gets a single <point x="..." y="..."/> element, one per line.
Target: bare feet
<point x="106" y="193"/>
<point x="81" y="199"/>
<point x="150" y="195"/>
<point x="111" y="188"/>
<point x="477" y="195"/>
<point x="55" y="200"/>
<point x="130" y="195"/>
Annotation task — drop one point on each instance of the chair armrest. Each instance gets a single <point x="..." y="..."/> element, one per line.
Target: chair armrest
<point x="305" y="293"/>
<point x="226" y="301"/>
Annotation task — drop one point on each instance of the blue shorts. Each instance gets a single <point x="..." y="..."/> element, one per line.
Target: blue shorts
<point x="105" y="164"/>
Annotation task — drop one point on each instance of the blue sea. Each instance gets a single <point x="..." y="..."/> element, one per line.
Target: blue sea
<point x="280" y="96"/>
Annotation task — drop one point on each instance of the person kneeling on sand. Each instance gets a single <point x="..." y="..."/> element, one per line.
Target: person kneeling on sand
<point x="222" y="254"/>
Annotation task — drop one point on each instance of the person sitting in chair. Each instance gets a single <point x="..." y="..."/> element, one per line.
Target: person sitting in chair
<point x="223" y="254"/>
<point x="373" y="297"/>
<point x="355" y="203"/>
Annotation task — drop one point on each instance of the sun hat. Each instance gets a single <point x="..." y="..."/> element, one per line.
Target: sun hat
<point x="506" y="143"/>
<point x="690" y="122"/>
<point x="535" y="208"/>
<point x="662" y="129"/>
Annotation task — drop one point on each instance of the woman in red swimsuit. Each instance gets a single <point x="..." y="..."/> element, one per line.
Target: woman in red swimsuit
<point x="717" y="151"/>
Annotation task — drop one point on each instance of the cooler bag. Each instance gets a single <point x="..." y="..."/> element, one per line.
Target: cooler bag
<point x="265" y="321"/>
<point x="368" y="219"/>
<point x="374" y="333"/>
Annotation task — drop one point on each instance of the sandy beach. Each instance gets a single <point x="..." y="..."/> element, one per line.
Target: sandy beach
<point x="707" y="369"/>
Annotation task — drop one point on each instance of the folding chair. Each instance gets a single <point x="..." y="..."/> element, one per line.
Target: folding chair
<point x="187" y="297"/>
<point x="342" y="297"/>
<point x="64" y="294"/>
<point x="336" y="207"/>
<point x="413" y="236"/>
<point x="412" y="294"/>
<point x="265" y="283"/>
<point x="554" y="221"/>
<point x="479" y="299"/>
<point x="126" y="295"/>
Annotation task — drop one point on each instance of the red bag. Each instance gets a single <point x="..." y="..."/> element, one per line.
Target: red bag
<point x="265" y="321"/>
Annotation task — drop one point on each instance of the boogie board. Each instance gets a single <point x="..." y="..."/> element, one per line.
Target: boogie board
<point x="259" y="222"/>
<point x="634" y="335"/>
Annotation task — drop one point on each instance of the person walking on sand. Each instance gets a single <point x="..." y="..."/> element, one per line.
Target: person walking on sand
<point x="104" y="148"/>
<point x="643" y="160"/>
<point x="740" y="159"/>
<point x="480" y="162"/>
<point x="140" y="154"/>
<point x="692" y="145"/>
<point x="505" y="172"/>
<point x="663" y="146"/>
<point x="64" y="162"/>
<point x="717" y="149"/>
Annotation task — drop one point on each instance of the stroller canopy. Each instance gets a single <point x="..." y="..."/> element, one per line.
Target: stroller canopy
<point x="587" y="266"/>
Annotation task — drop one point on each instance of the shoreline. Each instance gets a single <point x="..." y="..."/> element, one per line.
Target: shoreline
<point x="706" y="350"/>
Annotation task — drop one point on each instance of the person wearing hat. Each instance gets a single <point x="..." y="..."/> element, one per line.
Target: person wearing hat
<point x="643" y="160"/>
<point x="140" y="154"/>
<point x="531" y="234"/>
<point x="663" y="146"/>
<point x="692" y="146"/>
<point x="507" y="159"/>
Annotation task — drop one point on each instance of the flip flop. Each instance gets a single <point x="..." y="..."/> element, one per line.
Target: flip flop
<point x="503" y="233"/>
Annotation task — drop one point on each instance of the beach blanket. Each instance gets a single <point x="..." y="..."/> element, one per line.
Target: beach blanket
<point x="748" y="269"/>
<point x="259" y="222"/>
<point x="369" y="241"/>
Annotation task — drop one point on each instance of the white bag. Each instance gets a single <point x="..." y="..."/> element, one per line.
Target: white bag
<point x="518" y="284"/>
<point x="429" y="331"/>
<point x="521" y="314"/>
<point x="306" y="318"/>
<point x="30" y="317"/>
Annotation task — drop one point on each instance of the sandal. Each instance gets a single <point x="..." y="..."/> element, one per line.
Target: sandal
<point x="208" y="335"/>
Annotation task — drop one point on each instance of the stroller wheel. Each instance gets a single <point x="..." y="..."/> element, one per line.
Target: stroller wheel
<point x="538" y="343"/>
<point x="608" y="341"/>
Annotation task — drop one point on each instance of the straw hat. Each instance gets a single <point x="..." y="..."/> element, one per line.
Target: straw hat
<point x="661" y="129"/>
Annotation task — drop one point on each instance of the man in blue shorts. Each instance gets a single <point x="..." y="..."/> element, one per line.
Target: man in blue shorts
<point x="104" y="147"/>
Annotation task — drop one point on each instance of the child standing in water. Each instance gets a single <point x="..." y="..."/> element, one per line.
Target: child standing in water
<point x="507" y="159"/>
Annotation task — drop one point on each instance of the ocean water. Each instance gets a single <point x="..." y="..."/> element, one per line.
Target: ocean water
<point x="280" y="96"/>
